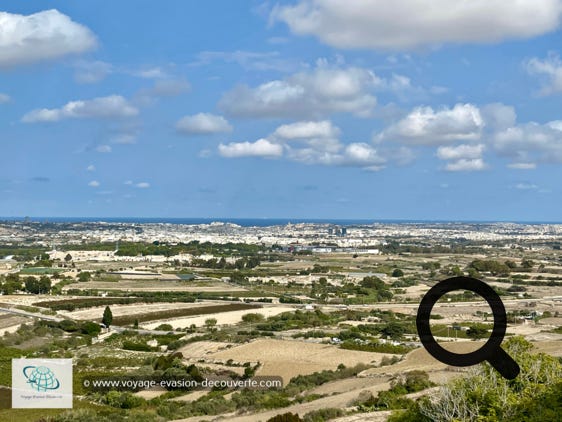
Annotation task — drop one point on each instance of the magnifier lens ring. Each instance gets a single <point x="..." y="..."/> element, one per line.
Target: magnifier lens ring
<point x="449" y="285"/>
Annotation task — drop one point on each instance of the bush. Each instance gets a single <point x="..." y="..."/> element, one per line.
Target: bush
<point x="163" y="327"/>
<point x="397" y="273"/>
<point x="138" y="347"/>
<point x="322" y="415"/>
<point x="90" y="328"/>
<point x="286" y="417"/>
<point x="253" y="317"/>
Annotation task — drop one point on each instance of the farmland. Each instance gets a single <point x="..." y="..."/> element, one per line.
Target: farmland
<point x="338" y="328"/>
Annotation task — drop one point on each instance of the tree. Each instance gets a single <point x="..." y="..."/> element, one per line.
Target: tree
<point x="68" y="257"/>
<point x="527" y="263"/>
<point x="90" y="328"/>
<point x="286" y="417"/>
<point x="107" y="317"/>
<point x="397" y="273"/>
<point x="210" y="323"/>
<point x="477" y="331"/>
<point x="393" y="330"/>
<point x="253" y="317"/>
<point x="84" y="276"/>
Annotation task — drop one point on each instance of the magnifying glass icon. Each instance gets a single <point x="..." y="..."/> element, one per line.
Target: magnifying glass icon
<point x="491" y="351"/>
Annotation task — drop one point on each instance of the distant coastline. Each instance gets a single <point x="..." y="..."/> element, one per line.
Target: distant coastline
<point x="257" y="222"/>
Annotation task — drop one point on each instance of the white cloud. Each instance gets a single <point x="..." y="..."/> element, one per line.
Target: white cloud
<point x="128" y="182"/>
<point x="143" y="185"/>
<point x="41" y="36"/>
<point x="425" y="126"/>
<point x="94" y="184"/>
<point x="526" y="186"/>
<point x="522" y="166"/>
<point x="309" y="142"/>
<point x="324" y="90"/>
<point x="151" y="73"/>
<point x="260" y="148"/>
<point x="530" y="143"/>
<point x="113" y="106"/>
<point x="476" y="164"/>
<point x="203" y="123"/>
<point x="462" y="157"/>
<point x="410" y="24"/>
<point x="103" y="149"/>
<point x="550" y="70"/>
<point x="4" y="98"/>
<point x="91" y="167"/>
<point x="310" y="129"/>
<point x="460" y="151"/>
<point x="91" y="72"/>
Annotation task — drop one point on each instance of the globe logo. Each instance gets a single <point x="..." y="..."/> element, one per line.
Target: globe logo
<point x="41" y="378"/>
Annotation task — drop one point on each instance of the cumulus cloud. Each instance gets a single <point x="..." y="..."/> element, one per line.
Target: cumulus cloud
<point x="460" y="151"/>
<point x="91" y="167"/>
<point x="4" y="98"/>
<point x="410" y="24"/>
<point x="426" y="126"/>
<point x="311" y="129"/>
<point x="309" y="142"/>
<point x="94" y="184"/>
<point x="550" y="71"/>
<point x="45" y="35"/>
<point x="462" y="157"/>
<point x="528" y="143"/>
<point x="324" y="90"/>
<point x="260" y="148"/>
<point x="476" y="164"/>
<point x="113" y="106"/>
<point x="151" y="73"/>
<point x="142" y="185"/>
<point x="522" y="166"/>
<point x="203" y="124"/>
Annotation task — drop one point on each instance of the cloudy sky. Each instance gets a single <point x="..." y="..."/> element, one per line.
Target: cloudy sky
<point x="437" y="109"/>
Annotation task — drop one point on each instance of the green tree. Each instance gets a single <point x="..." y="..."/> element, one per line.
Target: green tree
<point x="477" y="331"/>
<point x="253" y="317"/>
<point x="68" y="257"/>
<point x="397" y="273"/>
<point x="90" y="328"/>
<point x="210" y="323"/>
<point x="107" y="317"/>
<point x="84" y="276"/>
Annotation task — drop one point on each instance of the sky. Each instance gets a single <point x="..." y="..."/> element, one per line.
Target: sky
<point x="356" y="109"/>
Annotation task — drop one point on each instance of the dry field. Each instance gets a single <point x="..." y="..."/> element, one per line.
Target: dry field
<point x="137" y="308"/>
<point x="223" y="318"/>
<point x="291" y="358"/>
<point x="156" y="286"/>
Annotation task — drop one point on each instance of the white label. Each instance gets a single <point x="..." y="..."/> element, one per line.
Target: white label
<point x="42" y="383"/>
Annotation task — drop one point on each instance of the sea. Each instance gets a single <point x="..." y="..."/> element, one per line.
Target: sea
<point x="254" y="222"/>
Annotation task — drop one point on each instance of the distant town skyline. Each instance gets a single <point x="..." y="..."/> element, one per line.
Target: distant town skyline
<point x="308" y="109"/>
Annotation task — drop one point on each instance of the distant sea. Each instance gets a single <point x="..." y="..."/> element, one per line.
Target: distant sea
<point x="251" y="222"/>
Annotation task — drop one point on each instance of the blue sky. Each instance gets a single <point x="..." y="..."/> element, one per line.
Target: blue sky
<point x="301" y="109"/>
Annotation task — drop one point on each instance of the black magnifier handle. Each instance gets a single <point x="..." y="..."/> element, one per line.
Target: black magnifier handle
<point x="504" y="364"/>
